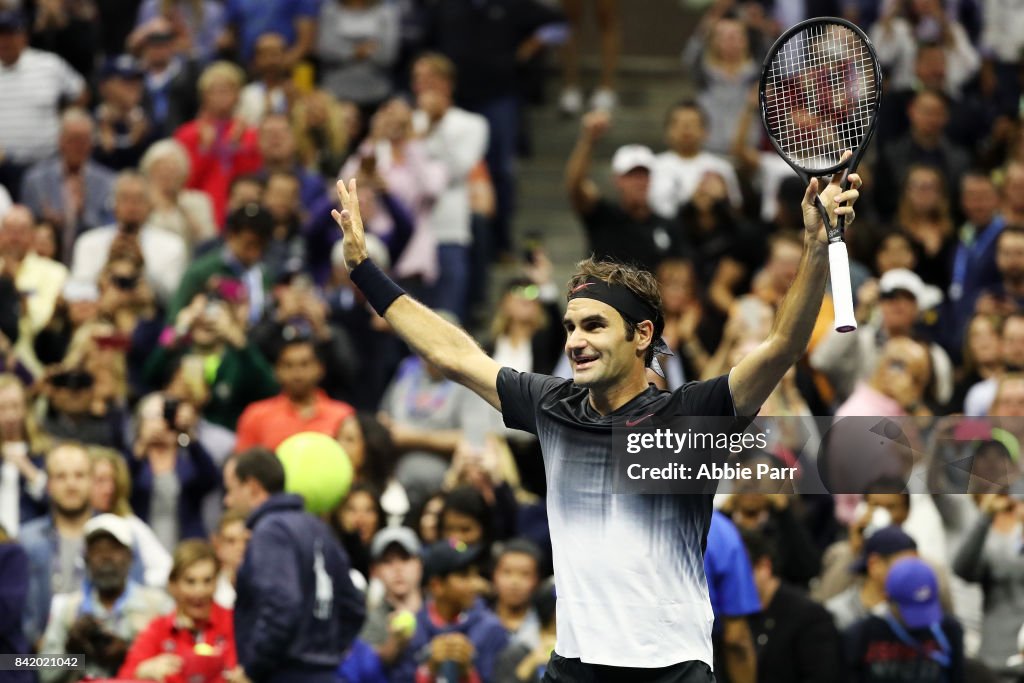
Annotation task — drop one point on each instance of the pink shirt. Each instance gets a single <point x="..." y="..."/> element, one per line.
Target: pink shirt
<point x="866" y="401"/>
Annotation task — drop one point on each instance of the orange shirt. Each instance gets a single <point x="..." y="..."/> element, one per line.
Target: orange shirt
<point x="206" y="651"/>
<point x="269" y="422"/>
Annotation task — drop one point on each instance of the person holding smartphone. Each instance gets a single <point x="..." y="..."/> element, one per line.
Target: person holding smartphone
<point x="171" y="471"/>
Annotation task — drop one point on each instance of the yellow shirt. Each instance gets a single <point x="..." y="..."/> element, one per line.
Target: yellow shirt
<point x="41" y="281"/>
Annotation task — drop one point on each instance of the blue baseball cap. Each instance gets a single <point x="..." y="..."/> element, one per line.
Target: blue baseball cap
<point x="12" y="20"/>
<point x="885" y="542"/>
<point x="912" y="585"/>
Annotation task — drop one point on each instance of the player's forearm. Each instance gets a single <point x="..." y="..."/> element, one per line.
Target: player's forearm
<point x="433" y="338"/>
<point x="799" y="310"/>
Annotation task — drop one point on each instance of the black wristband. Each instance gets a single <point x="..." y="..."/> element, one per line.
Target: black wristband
<point x="380" y="290"/>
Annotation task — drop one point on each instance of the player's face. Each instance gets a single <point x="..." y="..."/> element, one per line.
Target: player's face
<point x="596" y="344"/>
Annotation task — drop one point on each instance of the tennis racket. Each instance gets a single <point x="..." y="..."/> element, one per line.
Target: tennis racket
<point x="820" y="91"/>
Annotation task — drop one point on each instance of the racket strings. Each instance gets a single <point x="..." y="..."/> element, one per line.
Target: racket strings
<point x="820" y="95"/>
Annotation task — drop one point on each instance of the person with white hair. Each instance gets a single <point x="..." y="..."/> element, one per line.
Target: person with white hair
<point x="183" y="212"/>
<point x="69" y="189"/>
<point x="164" y="256"/>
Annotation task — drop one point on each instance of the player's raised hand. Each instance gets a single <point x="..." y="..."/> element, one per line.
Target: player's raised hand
<point x="836" y="202"/>
<point x="351" y="224"/>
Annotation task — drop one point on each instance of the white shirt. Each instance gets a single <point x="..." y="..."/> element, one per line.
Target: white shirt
<point x="675" y="179"/>
<point x="1003" y="28"/>
<point x="459" y="141"/>
<point x="165" y="254"/>
<point x="156" y="561"/>
<point x="897" y="49"/>
<point x="980" y="398"/>
<point x="32" y="89"/>
<point x="10" y="491"/>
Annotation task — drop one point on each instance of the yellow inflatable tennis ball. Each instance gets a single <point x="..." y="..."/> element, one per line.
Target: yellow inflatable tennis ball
<point x="405" y="623"/>
<point x="317" y="468"/>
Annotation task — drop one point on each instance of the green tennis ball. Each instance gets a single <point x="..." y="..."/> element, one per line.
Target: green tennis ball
<point x="405" y="623"/>
<point x="317" y="468"/>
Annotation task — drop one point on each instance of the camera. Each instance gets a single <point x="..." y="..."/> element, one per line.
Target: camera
<point x="532" y="243"/>
<point x="72" y="379"/>
<point x="171" y="412"/>
<point x="125" y="283"/>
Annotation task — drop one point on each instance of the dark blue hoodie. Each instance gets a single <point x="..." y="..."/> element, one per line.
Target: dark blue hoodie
<point x="478" y="623"/>
<point x="13" y="596"/>
<point x="297" y="610"/>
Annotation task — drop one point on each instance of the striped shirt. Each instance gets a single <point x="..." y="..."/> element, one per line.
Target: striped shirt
<point x="31" y="90"/>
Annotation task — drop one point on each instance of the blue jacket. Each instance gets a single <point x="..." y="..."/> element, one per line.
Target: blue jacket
<point x="39" y="539"/>
<point x="43" y="192"/>
<point x="197" y="474"/>
<point x="13" y="596"/>
<point x="296" y="607"/>
<point x="478" y="624"/>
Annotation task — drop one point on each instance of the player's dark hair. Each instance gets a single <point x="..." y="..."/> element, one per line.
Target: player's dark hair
<point x="760" y="547"/>
<point x="889" y="484"/>
<point x="380" y="455"/>
<point x="293" y="335"/>
<point x="250" y="218"/>
<point x="468" y="501"/>
<point x="262" y="465"/>
<point x="520" y="546"/>
<point x="642" y="283"/>
<point x="687" y="103"/>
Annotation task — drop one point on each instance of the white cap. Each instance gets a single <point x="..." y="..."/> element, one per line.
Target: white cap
<point x="900" y="278"/>
<point x="77" y="290"/>
<point x="629" y="157"/>
<point x="107" y="523"/>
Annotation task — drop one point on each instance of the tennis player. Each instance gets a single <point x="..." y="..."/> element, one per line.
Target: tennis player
<point x="632" y="596"/>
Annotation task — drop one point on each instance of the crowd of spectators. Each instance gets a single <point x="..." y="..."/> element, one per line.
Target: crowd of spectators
<point x="173" y="294"/>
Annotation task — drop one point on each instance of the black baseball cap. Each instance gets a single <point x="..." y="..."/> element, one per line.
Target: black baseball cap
<point x="12" y="20"/>
<point x="448" y="557"/>
<point x="885" y="542"/>
<point x="122" y="66"/>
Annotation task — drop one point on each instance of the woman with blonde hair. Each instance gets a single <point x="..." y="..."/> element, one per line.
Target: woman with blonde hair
<point x="197" y="640"/>
<point x="323" y="129"/>
<point x="111" y="489"/>
<point x="221" y="146"/>
<point x="186" y="213"/>
<point x="22" y="445"/>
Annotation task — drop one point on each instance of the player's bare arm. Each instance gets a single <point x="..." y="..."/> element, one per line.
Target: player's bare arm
<point x="755" y="377"/>
<point x="441" y="343"/>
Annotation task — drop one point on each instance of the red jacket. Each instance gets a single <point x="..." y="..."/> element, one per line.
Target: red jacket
<point x="234" y="152"/>
<point x="207" y="651"/>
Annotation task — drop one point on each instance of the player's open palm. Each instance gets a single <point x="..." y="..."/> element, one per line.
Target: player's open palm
<point x="835" y="200"/>
<point x="351" y="223"/>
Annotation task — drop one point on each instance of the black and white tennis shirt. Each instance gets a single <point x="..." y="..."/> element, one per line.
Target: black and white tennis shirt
<point x="629" y="568"/>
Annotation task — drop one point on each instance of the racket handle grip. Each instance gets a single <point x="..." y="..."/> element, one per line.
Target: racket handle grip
<point x="842" y="291"/>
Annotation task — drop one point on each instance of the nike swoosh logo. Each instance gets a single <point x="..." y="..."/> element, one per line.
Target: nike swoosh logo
<point x="580" y="287"/>
<point x="634" y="423"/>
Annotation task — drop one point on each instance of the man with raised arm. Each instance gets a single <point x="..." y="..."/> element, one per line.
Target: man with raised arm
<point x="632" y="595"/>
